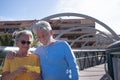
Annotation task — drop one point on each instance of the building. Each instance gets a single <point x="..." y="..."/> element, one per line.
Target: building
<point x="78" y="33"/>
<point x="11" y="26"/>
<point x="61" y="25"/>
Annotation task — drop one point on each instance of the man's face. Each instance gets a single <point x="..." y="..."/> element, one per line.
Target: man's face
<point x="43" y="36"/>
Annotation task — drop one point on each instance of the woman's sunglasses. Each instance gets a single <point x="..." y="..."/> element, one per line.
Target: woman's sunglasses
<point x="25" y="42"/>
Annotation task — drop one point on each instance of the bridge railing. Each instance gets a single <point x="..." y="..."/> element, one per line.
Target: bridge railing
<point x="85" y="57"/>
<point x="89" y="57"/>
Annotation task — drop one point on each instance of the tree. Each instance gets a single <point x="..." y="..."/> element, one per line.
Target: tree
<point x="6" y="40"/>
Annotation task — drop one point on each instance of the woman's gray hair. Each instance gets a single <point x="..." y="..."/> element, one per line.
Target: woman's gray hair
<point x="17" y="35"/>
<point x="41" y="25"/>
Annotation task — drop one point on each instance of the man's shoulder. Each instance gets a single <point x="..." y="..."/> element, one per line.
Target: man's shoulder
<point x="61" y="41"/>
<point x="33" y="54"/>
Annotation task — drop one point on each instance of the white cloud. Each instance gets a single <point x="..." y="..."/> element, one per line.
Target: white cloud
<point x="2" y="18"/>
<point x="107" y="11"/>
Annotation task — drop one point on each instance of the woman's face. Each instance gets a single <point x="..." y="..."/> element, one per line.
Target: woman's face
<point x="24" y="42"/>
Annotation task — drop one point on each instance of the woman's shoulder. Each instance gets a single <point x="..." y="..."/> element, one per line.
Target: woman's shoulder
<point x="33" y="54"/>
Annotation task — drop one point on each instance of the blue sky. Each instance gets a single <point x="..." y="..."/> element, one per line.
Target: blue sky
<point x="107" y="11"/>
<point x="26" y="9"/>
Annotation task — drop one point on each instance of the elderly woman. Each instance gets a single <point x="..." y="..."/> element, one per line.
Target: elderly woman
<point x="25" y="65"/>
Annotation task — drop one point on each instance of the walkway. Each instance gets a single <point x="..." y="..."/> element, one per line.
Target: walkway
<point x="93" y="73"/>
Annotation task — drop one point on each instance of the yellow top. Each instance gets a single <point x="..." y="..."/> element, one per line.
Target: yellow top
<point x="12" y="64"/>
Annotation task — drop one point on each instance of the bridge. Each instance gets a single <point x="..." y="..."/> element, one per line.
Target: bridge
<point x="91" y="62"/>
<point x="91" y="58"/>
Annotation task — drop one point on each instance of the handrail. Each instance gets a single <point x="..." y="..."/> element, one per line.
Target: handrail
<point x="85" y="57"/>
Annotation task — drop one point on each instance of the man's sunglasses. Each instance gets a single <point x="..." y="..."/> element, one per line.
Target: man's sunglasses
<point x="25" y="42"/>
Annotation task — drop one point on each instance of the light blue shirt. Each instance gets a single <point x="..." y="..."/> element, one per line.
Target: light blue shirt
<point x="58" y="62"/>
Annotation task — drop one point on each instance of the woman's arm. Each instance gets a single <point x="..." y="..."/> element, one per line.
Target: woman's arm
<point x="12" y="75"/>
<point x="8" y="76"/>
<point x="36" y="76"/>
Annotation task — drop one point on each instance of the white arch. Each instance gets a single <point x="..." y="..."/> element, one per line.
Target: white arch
<point x="75" y="28"/>
<point x="116" y="37"/>
<point x="80" y="37"/>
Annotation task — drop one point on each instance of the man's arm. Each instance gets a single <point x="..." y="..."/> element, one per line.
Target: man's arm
<point x="11" y="54"/>
<point x="72" y="63"/>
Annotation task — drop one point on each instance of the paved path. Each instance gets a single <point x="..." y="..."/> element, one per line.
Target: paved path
<point x="93" y="73"/>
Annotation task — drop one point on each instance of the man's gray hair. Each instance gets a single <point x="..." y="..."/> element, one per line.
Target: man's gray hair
<point x="41" y="25"/>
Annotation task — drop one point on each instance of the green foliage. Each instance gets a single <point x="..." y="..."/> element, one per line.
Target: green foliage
<point x="36" y="42"/>
<point x="6" y="40"/>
